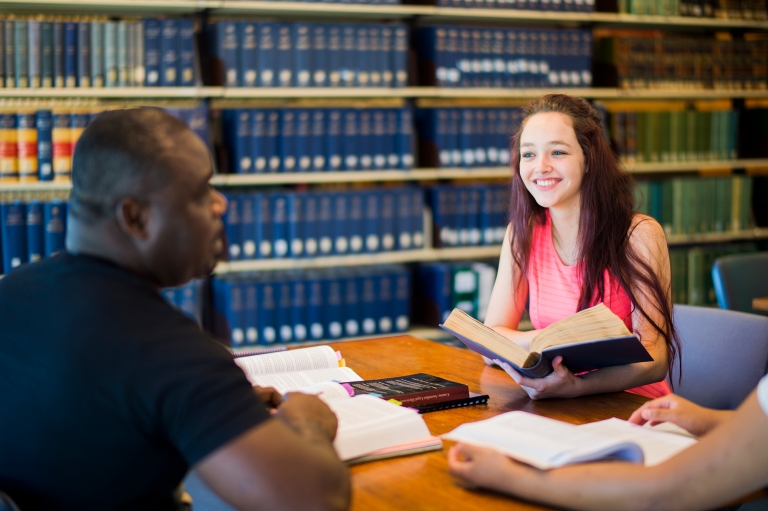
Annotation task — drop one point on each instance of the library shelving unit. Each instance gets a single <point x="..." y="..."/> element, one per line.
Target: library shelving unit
<point x="422" y="14"/>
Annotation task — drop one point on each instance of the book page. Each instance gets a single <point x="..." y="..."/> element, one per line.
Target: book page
<point x="316" y="357"/>
<point x="467" y="326"/>
<point x="538" y="441"/>
<point x="327" y="391"/>
<point x="367" y="423"/>
<point x="299" y="380"/>
<point x="657" y="446"/>
<point x="591" y="324"/>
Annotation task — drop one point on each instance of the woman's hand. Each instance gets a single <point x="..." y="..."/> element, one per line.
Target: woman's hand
<point x="559" y="383"/>
<point x="681" y="412"/>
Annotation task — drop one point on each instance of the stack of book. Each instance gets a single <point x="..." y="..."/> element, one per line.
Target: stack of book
<point x="468" y="215"/>
<point x="310" y="305"/>
<point x="274" y="54"/>
<point x="318" y="139"/>
<point x="455" y="56"/>
<point x="99" y="52"/>
<point x="465" y="137"/>
<point x="442" y="287"/>
<point x="294" y="224"/>
<point x="31" y="230"/>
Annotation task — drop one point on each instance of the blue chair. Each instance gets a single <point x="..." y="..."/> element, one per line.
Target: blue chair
<point x="739" y="278"/>
<point x="724" y="355"/>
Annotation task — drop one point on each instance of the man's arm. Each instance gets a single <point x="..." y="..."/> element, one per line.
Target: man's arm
<point x="285" y="463"/>
<point x="730" y="462"/>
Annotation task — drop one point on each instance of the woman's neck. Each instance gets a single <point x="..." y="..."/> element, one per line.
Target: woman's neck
<point x="565" y="233"/>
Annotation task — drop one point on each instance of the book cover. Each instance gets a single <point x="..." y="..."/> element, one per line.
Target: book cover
<point x="34" y="225"/>
<point x="248" y="53"/>
<point x="412" y="390"/>
<point x="236" y="125"/>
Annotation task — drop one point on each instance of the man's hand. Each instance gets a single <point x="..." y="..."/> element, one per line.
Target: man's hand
<point x="269" y="396"/>
<point x="559" y="383"/>
<point x="481" y="467"/>
<point x="308" y="415"/>
<point x="693" y="418"/>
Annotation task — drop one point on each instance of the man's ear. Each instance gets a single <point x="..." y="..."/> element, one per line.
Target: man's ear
<point x="133" y="216"/>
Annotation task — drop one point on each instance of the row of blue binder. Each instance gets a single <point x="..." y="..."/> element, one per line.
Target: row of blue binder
<point x="531" y="5"/>
<point x="286" y="307"/>
<point x="466" y="137"/>
<point x="455" y="56"/>
<point x="31" y="230"/>
<point x="98" y="53"/>
<point x="297" y="224"/>
<point x="275" y="54"/>
<point x="468" y="215"/>
<point x="320" y="139"/>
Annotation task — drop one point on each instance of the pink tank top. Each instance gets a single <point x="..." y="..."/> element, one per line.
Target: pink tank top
<point x="554" y="289"/>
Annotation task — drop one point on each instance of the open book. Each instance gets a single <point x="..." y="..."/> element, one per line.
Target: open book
<point x="590" y="339"/>
<point x="369" y="427"/>
<point x="547" y="443"/>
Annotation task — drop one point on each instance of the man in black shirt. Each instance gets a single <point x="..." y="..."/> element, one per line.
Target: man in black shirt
<point x="108" y="394"/>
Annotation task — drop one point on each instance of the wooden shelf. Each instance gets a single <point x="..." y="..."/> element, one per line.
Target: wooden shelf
<point x="405" y="256"/>
<point x="718" y="237"/>
<point x="325" y="10"/>
<point x="115" y="92"/>
<point x="696" y="166"/>
<point x="119" y="7"/>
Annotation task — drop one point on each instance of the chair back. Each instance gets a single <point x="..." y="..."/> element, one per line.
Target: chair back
<point x="739" y="278"/>
<point x="7" y="503"/>
<point x="724" y="355"/>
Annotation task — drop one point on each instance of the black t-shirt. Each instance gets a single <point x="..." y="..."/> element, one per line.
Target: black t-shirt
<point x="107" y="393"/>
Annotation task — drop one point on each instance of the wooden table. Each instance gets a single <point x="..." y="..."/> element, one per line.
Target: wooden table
<point x="760" y="304"/>
<point x="422" y="482"/>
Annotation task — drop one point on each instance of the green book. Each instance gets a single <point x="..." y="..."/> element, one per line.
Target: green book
<point x="642" y="151"/>
<point x="678" y="189"/>
<point x="674" y="135"/>
<point x="716" y="118"/>
<point x="695" y="276"/>
<point x="722" y="204"/>
<point x="464" y="287"/>
<point x="682" y="154"/>
<point x="667" y="205"/>
<point x="663" y="136"/>
<point x="690" y="144"/>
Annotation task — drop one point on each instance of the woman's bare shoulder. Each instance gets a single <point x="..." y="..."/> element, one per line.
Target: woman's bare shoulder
<point x="645" y="231"/>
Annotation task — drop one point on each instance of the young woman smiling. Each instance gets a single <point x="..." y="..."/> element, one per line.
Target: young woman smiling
<point x="574" y="240"/>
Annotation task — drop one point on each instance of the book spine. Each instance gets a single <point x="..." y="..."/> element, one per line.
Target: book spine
<point x="227" y="302"/>
<point x="9" y="162"/>
<point x="284" y="56"/>
<point x="350" y="140"/>
<point x="83" y="54"/>
<point x="231" y="220"/>
<point x="258" y="133"/>
<point x="400" y="55"/>
<point x="315" y="308"/>
<point x="383" y="144"/>
<point x="267" y="312"/>
<point x="348" y="58"/>
<point x="152" y="30"/>
<point x="368" y="303"/>
<point x="186" y="68"/>
<point x="335" y="64"/>
<point x="356" y="229"/>
<point x="375" y="57"/>
<point x="139" y="67"/>
<point x="384" y="319"/>
<point x="123" y="51"/>
<point x="43" y="122"/>
<point x="14" y="235"/>
<point x="272" y="143"/>
<point x="2" y="56"/>
<point x="301" y="40"/>
<point x="299" y="310"/>
<point x="110" y="49"/>
<point x="59" y="54"/>
<point x="340" y="223"/>
<point x="310" y="219"/>
<point x="35" y="52"/>
<point x="303" y="158"/>
<point x="371" y="221"/>
<point x="404" y="237"/>
<point x="351" y="308"/>
<point x="248" y="56"/>
<point x="27" y="146"/>
<point x="333" y="129"/>
<point x="250" y="312"/>
<point x="21" y="53"/>
<point x="362" y="57"/>
<point x="287" y="141"/>
<point x="365" y="139"/>
<point x="284" y="307"/>
<point x="70" y="54"/>
<point x="247" y="226"/>
<point x="279" y="209"/>
<point x="169" y="53"/>
<point x="267" y="51"/>
<point x="262" y="207"/>
<point x="34" y="226"/>
<point x="55" y="225"/>
<point x="9" y="53"/>
<point x="61" y="135"/>
<point x="333" y="293"/>
<point x="317" y="141"/>
<point x="325" y="209"/>
<point x="97" y="54"/>
<point x="387" y="221"/>
<point x="79" y="120"/>
<point x="319" y="50"/>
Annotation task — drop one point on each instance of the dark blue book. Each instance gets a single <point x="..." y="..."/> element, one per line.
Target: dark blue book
<point x="9" y="53"/>
<point x="404" y="142"/>
<point x="197" y="121"/>
<point x="387" y="220"/>
<point x="325" y="212"/>
<point x="267" y="312"/>
<point x="441" y="219"/>
<point x="44" y="124"/>
<point x="35" y="230"/>
<point x="334" y="302"/>
<point x="473" y="216"/>
<point x="237" y="139"/>
<point x="392" y="134"/>
<point x="486" y="217"/>
<point x="302" y="143"/>
<point x="272" y="143"/>
<point x="461" y="219"/>
<point x="279" y="207"/>
<point x="259" y="151"/>
<point x="84" y="54"/>
<point x="319" y="62"/>
<point x="35" y="52"/>
<point x="248" y="58"/>
<point x="14" y="234"/>
<point x="55" y="223"/>
<point x="381" y="144"/>
<point x="348" y="55"/>
<point x="404" y="236"/>
<point x="317" y="140"/>
<point x="223" y="43"/>
<point x="152" y="35"/>
<point x="334" y="142"/>
<point x="287" y="140"/>
<point x="315" y="307"/>
<point x="400" y="55"/>
<point x="284" y="56"/>
<point x="299" y="312"/>
<point x="227" y="305"/>
<point x="434" y="287"/>
<point x="267" y="74"/>
<point x="417" y="217"/>
<point x="365" y="139"/>
<point x="59" y="53"/>
<point x="375" y="58"/>
<point x="491" y="147"/>
<point x="350" y="140"/>
<point x="186" y="49"/>
<point x="453" y="56"/>
<point x="188" y="300"/>
<point x="385" y="56"/>
<point x="21" y="53"/>
<point x="371" y="225"/>
<point x="70" y="54"/>
<point x="351" y="312"/>
<point x="383" y="290"/>
<point x="295" y="224"/>
<point x="369" y="303"/>
<point x="334" y="55"/>
<point x="309" y="227"/>
<point x="263" y="207"/>
<point x="302" y="54"/>
<point x="356" y="222"/>
<point x="247" y="226"/>
<point x="363" y="59"/>
<point x="250" y="310"/>
<point x="466" y="126"/>
<point x="478" y="137"/>
<point x="97" y="54"/>
<point x="503" y="137"/>
<point x="169" y="53"/>
<point x="401" y="303"/>
<point x="464" y="58"/>
<point x="231" y="220"/>
<point x="340" y="223"/>
<point x="283" y="310"/>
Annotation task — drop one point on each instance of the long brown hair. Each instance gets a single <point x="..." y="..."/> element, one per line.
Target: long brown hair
<point x="607" y="207"/>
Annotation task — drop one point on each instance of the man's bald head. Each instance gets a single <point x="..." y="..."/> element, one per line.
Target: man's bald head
<point x="121" y="153"/>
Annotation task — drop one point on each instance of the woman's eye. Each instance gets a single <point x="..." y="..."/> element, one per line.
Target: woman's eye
<point x="558" y="153"/>
<point x="527" y="155"/>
